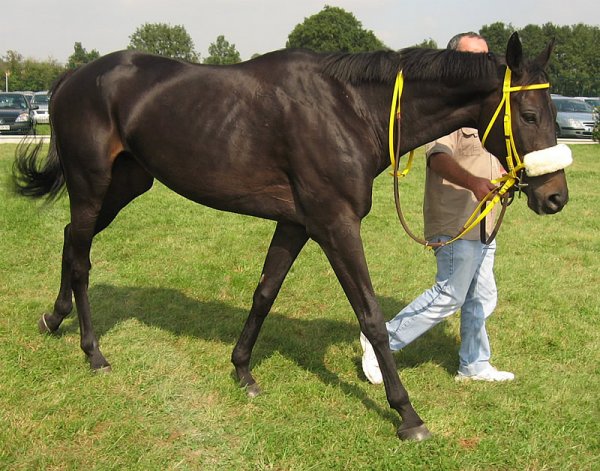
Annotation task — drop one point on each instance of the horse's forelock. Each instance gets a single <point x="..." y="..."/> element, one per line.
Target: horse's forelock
<point x="536" y="73"/>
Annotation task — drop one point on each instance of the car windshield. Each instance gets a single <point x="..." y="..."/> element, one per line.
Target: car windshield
<point x="573" y="106"/>
<point x="13" y="101"/>
<point x="593" y="101"/>
<point x="41" y="99"/>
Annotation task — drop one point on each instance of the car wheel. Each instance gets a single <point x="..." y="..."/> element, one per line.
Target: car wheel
<point x="558" y="134"/>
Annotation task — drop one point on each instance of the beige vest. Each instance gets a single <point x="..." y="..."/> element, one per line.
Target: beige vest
<point x="447" y="206"/>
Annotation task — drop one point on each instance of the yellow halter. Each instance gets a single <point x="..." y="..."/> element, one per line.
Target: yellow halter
<point x="513" y="160"/>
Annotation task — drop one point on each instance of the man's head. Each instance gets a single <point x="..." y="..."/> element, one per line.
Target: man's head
<point x="468" y="42"/>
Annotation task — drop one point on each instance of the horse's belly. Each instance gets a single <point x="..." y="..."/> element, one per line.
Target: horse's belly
<point x="239" y="192"/>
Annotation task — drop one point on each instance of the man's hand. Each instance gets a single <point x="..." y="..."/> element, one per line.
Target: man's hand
<point x="445" y="166"/>
<point x="479" y="186"/>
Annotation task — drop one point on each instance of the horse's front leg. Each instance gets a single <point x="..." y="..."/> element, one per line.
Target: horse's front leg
<point x="285" y="246"/>
<point x="342" y="244"/>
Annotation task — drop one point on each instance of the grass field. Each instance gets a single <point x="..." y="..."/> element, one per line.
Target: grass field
<point x="170" y="288"/>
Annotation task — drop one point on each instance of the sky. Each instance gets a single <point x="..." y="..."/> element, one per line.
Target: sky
<point x="48" y="29"/>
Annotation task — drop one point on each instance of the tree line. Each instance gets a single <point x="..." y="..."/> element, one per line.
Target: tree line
<point x="574" y="69"/>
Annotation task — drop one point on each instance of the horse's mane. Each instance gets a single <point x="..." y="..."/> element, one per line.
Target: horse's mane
<point x="416" y="64"/>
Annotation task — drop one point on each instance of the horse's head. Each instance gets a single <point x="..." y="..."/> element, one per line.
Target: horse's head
<point x="525" y="140"/>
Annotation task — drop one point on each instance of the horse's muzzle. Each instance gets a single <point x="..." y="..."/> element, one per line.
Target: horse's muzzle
<point x="550" y="197"/>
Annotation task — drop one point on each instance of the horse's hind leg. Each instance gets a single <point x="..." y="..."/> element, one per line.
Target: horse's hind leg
<point x="50" y="322"/>
<point x="128" y="180"/>
<point x="285" y="246"/>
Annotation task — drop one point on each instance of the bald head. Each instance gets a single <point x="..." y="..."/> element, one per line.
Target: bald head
<point x="472" y="44"/>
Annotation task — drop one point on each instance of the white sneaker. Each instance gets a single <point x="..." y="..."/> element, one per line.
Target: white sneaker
<point x="370" y="365"/>
<point x="489" y="374"/>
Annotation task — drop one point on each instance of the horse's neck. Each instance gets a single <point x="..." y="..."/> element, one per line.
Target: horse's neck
<point x="430" y="112"/>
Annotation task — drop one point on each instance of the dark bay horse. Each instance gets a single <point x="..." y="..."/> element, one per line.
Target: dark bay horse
<point x="293" y="136"/>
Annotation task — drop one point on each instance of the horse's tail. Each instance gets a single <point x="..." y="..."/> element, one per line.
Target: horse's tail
<point x="33" y="177"/>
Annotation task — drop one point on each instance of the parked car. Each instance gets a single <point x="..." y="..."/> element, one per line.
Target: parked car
<point x="27" y="94"/>
<point x="41" y="115"/>
<point x="574" y="118"/>
<point x="594" y="102"/>
<point x="16" y="114"/>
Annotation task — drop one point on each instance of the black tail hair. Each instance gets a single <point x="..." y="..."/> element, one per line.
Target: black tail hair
<point x="31" y="176"/>
<point x="37" y="180"/>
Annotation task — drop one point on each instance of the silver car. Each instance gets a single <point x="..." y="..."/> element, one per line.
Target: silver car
<point x="40" y="99"/>
<point x="574" y="118"/>
<point x="593" y="101"/>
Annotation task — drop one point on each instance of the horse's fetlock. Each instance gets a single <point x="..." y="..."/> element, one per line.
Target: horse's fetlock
<point x="63" y="308"/>
<point x="89" y="346"/>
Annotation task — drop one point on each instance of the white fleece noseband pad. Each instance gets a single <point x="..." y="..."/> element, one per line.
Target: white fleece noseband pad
<point x="547" y="160"/>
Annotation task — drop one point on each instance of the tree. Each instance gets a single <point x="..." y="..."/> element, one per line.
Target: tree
<point x="333" y="29"/>
<point x="39" y="75"/>
<point x="29" y="74"/>
<point x="574" y="68"/>
<point x="164" y="40"/>
<point x="222" y="52"/>
<point x="575" y="65"/>
<point x="428" y="44"/>
<point x="80" y="56"/>
<point x="496" y="35"/>
<point x="11" y="64"/>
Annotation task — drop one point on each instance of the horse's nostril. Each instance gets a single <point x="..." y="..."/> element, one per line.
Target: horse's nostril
<point x="556" y="201"/>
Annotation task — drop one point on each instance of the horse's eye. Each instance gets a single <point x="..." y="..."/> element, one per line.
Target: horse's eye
<point x="529" y="118"/>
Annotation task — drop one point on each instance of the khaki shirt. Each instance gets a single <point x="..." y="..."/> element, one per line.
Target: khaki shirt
<point x="447" y="206"/>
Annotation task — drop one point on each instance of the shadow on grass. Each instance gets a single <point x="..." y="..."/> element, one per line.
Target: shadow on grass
<point x="179" y="314"/>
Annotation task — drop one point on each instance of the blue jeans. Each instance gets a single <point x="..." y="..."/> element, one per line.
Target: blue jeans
<point x="465" y="281"/>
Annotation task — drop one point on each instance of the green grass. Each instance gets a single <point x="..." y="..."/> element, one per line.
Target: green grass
<point x="170" y="289"/>
<point x="42" y="129"/>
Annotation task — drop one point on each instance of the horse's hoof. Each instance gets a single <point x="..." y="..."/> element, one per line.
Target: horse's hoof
<point x="43" y="326"/>
<point x="418" y="434"/>
<point x="253" y="390"/>
<point x="102" y="370"/>
<point x="98" y="364"/>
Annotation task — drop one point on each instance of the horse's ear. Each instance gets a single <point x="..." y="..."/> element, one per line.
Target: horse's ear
<point x="544" y="56"/>
<point x="514" y="53"/>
